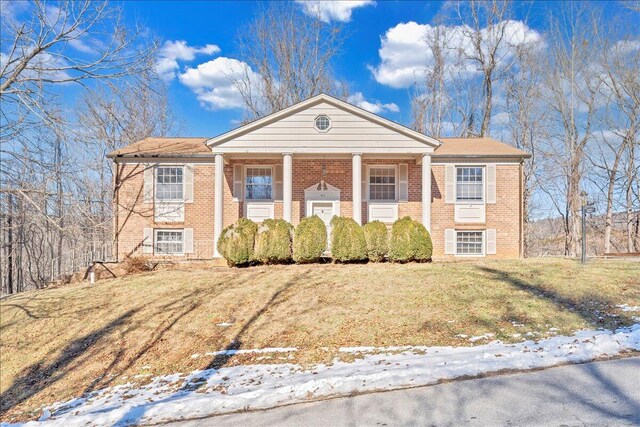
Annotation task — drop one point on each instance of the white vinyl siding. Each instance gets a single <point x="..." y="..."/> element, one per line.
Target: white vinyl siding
<point x="258" y="183"/>
<point x="347" y="131"/>
<point x="169" y="242"/>
<point x="382" y="183"/>
<point x="469" y="243"/>
<point x="469" y="184"/>
<point x="169" y="183"/>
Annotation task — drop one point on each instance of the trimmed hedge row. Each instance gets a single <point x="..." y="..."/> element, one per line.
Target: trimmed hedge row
<point x="276" y="241"/>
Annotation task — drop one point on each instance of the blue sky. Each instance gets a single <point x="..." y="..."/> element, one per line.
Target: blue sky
<point x="209" y="29"/>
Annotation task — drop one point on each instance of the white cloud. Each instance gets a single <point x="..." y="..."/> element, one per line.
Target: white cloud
<point x="213" y="82"/>
<point x="405" y="55"/>
<point x="328" y="11"/>
<point x="173" y="51"/>
<point x="500" y="119"/>
<point x="375" y="107"/>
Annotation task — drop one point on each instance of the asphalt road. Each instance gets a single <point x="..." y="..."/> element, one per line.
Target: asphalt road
<point x="599" y="393"/>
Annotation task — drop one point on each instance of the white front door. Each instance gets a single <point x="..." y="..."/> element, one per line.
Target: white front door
<point x="325" y="211"/>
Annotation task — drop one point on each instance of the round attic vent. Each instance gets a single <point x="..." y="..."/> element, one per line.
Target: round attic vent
<point x="322" y="123"/>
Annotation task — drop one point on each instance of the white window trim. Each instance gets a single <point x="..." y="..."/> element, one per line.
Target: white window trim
<point x="484" y="244"/>
<point x="321" y="130"/>
<point x="484" y="185"/>
<point x="244" y="183"/>
<point x="397" y="187"/>
<point x="155" y="183"/>
<point x="155" y="241"/>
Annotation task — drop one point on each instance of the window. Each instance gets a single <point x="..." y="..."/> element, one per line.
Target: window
<point x="169" y="242"/>
<point x="258" y="183"/>
<point x="169" y="183"/>
<point x="322" y="123"/>
<point x="469" y="242"/>
<point x="382" y="183"/>
<point x="469" y="186"/>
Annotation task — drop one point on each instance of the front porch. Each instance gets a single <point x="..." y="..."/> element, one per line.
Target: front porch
<point x="364" y="186"/>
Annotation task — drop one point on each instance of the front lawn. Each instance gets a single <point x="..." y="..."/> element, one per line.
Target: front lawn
<point x="60" y="343"/>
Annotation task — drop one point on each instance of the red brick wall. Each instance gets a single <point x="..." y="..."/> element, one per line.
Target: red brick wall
<point x="134" y="215"/>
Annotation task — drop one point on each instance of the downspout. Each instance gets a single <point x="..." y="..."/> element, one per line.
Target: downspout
<point x="521" y="208"/>
<point x="116" y="203"/>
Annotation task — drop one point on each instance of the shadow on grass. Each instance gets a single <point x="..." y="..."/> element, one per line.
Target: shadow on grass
<point x="42" y="374"/>
<point x="134" y="415"/>
<point x="593" y="308"/>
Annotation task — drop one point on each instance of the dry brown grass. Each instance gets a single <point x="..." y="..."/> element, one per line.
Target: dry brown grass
<point x="62" y="342"/>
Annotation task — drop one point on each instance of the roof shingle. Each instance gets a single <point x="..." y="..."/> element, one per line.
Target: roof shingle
<point x="159" y="147"/>
<point x="476" y="147"/>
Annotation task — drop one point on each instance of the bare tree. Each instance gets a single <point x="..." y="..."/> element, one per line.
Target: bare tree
<point x="48" y="48"/>
<point x="289" y="56"/>
<point x="573" y="87"/>
<point x="526" y="125"/>
<point x="484" y="26"/>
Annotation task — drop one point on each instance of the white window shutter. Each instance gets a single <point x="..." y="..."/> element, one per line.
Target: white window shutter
<point x="491" y="241"/>
<point x="148" y="183"/>
<point x="450" y="184"/>
<point x="449" y="241"/>
<point x="237" y="181"/>
<point x="491" y="183"/>
<point x="188" y="182"/>
<point x="364" y="192"/>
<point x="277" y="189"/>
<point x="188" y="240"/>
<point x="403" y="189"/>
<point x="147" y="241"/>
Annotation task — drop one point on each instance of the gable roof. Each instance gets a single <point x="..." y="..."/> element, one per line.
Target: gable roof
<point x="477" y="147"/>
<point x="165" y="147"/>
<point x="318" y="99"/>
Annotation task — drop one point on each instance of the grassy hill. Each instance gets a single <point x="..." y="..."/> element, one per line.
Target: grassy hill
<point x="60" y="343"/>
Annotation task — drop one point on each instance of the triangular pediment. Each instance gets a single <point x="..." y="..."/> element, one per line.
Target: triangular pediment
<point x="351" y="129"/>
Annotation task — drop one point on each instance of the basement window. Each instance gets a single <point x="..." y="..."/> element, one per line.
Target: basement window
<point x="169" y="242"/>
<point x="469" y="243"/>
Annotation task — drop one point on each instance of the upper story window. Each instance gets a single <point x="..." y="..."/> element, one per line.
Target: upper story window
<point x="469" y="185"/>
<point x="259" y="183"/>
<point x="382" y="183"/>
<point x="169" y="183"/>
<point x="322" y="123"/>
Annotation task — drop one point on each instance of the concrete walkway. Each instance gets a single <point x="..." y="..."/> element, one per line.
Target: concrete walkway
<point x="599" y="393"/>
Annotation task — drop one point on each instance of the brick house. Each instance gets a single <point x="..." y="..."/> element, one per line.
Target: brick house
<point x="322" y="156"/>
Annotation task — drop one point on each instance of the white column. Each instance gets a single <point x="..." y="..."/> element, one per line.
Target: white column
<point x="356" y="186"/>
<point x="218" y="200"/>
<point x="426" y="191"/>
<point x="287" y="186"/>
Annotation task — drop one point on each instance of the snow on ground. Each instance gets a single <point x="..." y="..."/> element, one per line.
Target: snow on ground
<point x="626" y="307"/>
<point x="247" y="351"/>
<point x="203" y="393"/>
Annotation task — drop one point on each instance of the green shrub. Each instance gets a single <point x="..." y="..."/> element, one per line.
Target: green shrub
<point x="376" y="236"/>
<point x="310" y="240"/>
<point x="410" y="241"/>
<point x="347" y="240"/>
<point x="274" y="241"/>
<point x="236" y="242"/>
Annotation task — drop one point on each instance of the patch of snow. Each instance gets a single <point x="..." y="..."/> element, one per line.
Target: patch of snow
<point x="626" y="307"/>
<point x="247" y="351"/>
<point x="208" y="392"/>
<point x="224" y="324"/>
<point x="481" y="337"/>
